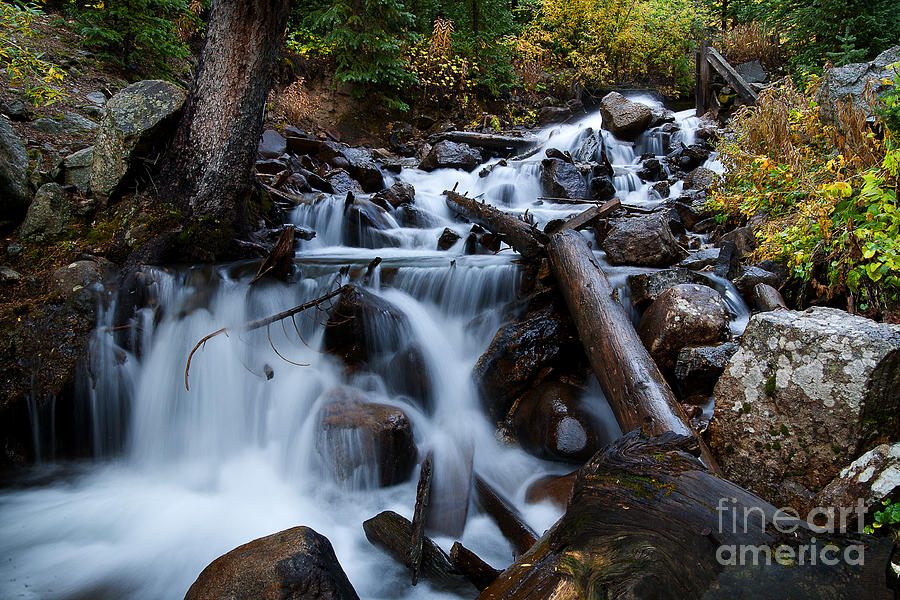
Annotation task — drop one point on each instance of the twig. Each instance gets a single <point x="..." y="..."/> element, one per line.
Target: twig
<point x="191" y="355"/>
<point x="293" y="311"/>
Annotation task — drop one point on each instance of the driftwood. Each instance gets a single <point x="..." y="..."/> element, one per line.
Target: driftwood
<point x="648" y="521"/>
<point x="636" y="390"/>
<point x="591" y="215"/>
<point x="280" y="261"/>
<point x="485" y="140"/>
<point x="423" y="491"/>
<point x="524" y="238"/>
<point x="250" y="325"/>
<point x="507" y="518"/>
<point x="767" y="298"/>
<point x="479" y="573"/>
<point x="391" y="532"/>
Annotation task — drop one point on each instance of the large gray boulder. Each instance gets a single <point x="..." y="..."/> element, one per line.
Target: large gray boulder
<point x="293" y="564"/>
<point x="69" y="123"/>
<point x="49" y="213"/>
<point x="624" y="118"/>
<point x="849" y="82"/>
<point x="645" y="240"/>
<point x="806" y="394"/>
<point x="870" y="478"/>
<point x="560" y="179"/>
<point x="450" y="155"/>
<point x="13" y="171"/>
<point x="137" y="120"/>
<point x="77" y="169"/>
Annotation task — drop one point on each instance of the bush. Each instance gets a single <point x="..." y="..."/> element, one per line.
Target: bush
<point x="40" y="79"/>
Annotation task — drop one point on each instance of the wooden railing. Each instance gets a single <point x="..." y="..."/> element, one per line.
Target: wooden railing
<point x="707" y="57"/>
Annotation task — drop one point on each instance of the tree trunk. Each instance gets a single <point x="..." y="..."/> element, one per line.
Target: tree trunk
<point x="525" y="239"/>
<point x="208" y="168"/>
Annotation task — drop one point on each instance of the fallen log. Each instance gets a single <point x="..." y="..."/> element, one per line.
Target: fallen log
<point x="525" y="239"/>
<point x="279" y="263"/>
<point x="648" y="521"/>
<point x="423" y="491"/>
<point x="591" y="215"/>
<point x="520" y="535"/>
<point x="391" y="532"/>
<point x="488" y="141"/>
<point x="634" y="387"/>
<point x="250" y="325"/>
<point x="479" y="573"/>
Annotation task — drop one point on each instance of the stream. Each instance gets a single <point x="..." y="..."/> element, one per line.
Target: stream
<point x="181" y="477"/>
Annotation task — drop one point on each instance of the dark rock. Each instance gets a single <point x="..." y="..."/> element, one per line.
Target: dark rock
<point x="700" y="178"/>
<point x="685" y="315"/>
<point x="560" y="179"/>
<point x="450" y="155"/>
<point x="137" y="123"/>
<point x="78" y="283"/>
<point x="557" y="153"/>
<point x="602" y="187"/>
<point x="775" y="268"/>
<point x="294" y="564"/>
<point x="16" y="110"/>
<point x="14" y="194"/>
<point x="550" y="422"/>
<point x="342" y="184"/>
<point x="698" y="368"/>
<point x="646" y="287"/>
<point x="661" y="116"/>
<point x="395" y="196"/>
<point x="408" y="375"/>
<point x="806" y="394"/>
<point x="270" y="166"/>
<point x="744" y="240"/>
<point x="688" y="158"/>
<point x="364" y="169"/>
<point x="645" y="240"/>
<point x="363" y="327"/>
<point x="49" y="213"/>
<point x="624" y="118"/>
<point x="69" y="123"/>
<point x="662" y="190"/>
<point x="548" y="115"/>
<point x="297" y="184"/>
<point x="691" y="208"/>
<point x="410" y="216"/>
<point x="651" y="170"/>
<point x="849" y="82"/>
<point x="728" y="263"/>
<point x="363" y="442"/>
<point x="363" y="219"/>
<point x="752" y="72"/>
<point x="8" y="276"/>
<point x="76" y="169"/>
<point x="700" y="259"/>
<point x="271" y="144"/>
<point x="750" y="276"/>
<point x="448" y="239"/>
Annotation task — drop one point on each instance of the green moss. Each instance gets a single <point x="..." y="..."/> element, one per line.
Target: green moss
<point x="784" y="430"/>
<point x="770" y="385"/>
<point x="776" y="445"/>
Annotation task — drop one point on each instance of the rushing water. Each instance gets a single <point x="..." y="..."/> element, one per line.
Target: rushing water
<point x="181" y="477"/>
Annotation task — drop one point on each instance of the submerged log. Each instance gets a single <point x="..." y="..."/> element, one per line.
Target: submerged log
<point x="280" y="261"/>
<point x="488" y="141"/>
<point x="479" y="573"/>
<point x="524" y="238"/>
<point x="649" y="521"/>
<point x="636" y="390"/>
<point x="520" y="535"/>
<point x="423" y="491"/>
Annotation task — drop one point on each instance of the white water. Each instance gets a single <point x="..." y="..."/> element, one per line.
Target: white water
<point x="234" y="458"/>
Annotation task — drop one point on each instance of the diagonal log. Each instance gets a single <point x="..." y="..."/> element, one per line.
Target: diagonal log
<point x="524" y="238"/>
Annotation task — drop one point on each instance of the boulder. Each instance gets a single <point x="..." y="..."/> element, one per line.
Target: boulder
<point x="644" y="240"/>
<point x="701" y="259"/>
<point x="67" y="124"/>
<point x="410" y="216"/>
<point x="560" y="179"/>
<point x="408" y="374"/>
<point x="752" y="72"/>
<point x="14" y="194"/>
<point x="49" y="213"/>
<point x="364" y="169"/>
<point x="806" y="393"/>
<point x="624" y="118"/>
<point x="688" y="158"/>
<point x="395" y="196"/>
<point x="698" y="368"/>
<point x="77" y="170"/>
<point x="366" y="444"/>
<point x="137" y="121"/>
<point x="363" y="328"/>
<point x="662" y="190"/>
<point x="450" y="155"/>
<point x="77" y="281"/>
<point x="651" y="170"/>
<point x="601" y="186"/>
<point x="448" y="239"/>
<point x="646" y="287"/>
<point x="294" y="564"/>
<point x="747" y="281"/>
<point x="685" y="315"/>
<point x="341" y="183"/>
<point x="548" y="115"/>
<point x="744" y="239"/>
<point x="271" y="144"/>
<point x="364" y="219"/>
<point x="550" y="422"/>
<point x="870" y="478"/>
<point x="98" y="98"/>
<point x="700" y="178"/>
<point x="17" y="110"/>
<point x="847" y="83"/>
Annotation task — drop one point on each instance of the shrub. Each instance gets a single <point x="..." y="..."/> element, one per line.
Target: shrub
<point x="293" y="104"/>
<point x="40" y="79"/>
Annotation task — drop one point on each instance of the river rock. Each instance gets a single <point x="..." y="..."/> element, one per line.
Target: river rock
<point x="841" y="84"/>
<point x="550" y="422"/>
<point x="651" y="170"/>
<point x="646" y="287"/>
<point x="624" y="118"/>
<point x="685" y="315"/>
<point x="744" y="239"/>
<point x="698" y="368"/>
<point x="408" y="374"/>
<point x="870" y="478"/>
<point x="561" y="179"/>
<point x="448" y="239"/>
<point x="549" y="115"/>
<point x="395" y="196"/>
<point x="137" y="122"/>
<point x="67" y="124"/>
<point x="410" y="216"/>
<point x="77" y="169"/>
<point x="341" y="183"/>
<point x="450" y="155"/>
<point x="700" y="259"/>
<point x="363" y="442"/>
<point x="364" y="219"/>
<point x="688" y="158"/>
<point x="364" y="169"/>
<point x="700" y="178"/>
<point x="806" y="393"/>
<point x="294" y="564"/>
<point x="270" y="166"/>
<point x="363" y="328"/>
<point x="750" y="277"/>
<point x="271" y="144"/>
<point x="17" y="110"/>
<point x="49" y="213"/>
<point x="14" y="195"/>
<point x="644" y="240"/>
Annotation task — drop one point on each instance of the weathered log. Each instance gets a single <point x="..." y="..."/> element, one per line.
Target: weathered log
<point x="489" y="141"/>
<point x="507" y="518"/>
<point x="738" y="83"/>
<point x="250" y="325"/>
<point x="524" y="238"/>
<point x="280" y="261"/>
<point x="767" y="298"/>
<point x="636" y="390"/>
<point x="591" y="215"/>
<point x="648" y="521"/>
<point x="423" y="491"/>
<point x="391" y="532"/>
<point x="479" y="573"/>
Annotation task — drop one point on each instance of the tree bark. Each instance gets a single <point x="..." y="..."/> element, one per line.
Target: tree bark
<point x="524" y="238"/>
<point x="507" y="518"/>
<point x="634" y="387"/>
<point x="208" y="170"/>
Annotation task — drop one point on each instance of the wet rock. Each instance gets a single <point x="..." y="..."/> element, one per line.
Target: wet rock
<point x="591" y="149"/>
<point x="364" y="442"/>
<point x="271" y="144"/>
<point x="77" y="281"/>
<point x="67" y="124"/>
<point x="870" y="478"/>
<point x="688" y="158"/>
<point x="548" y="115"/>
<point x="557" y="153"/>
<point x="450" y="155"/>
<point x="556" y="489"/>
<point x="685" y="315"/>
<point x="293" y="564"/>
<point x="700" y="178"/>
<point x="744" y="240"/>
<point x="624" y="118"/>
<point x="519" y="352"/>
<point x="14" y="193"/>
<point x="363" y="220"/>
<point x="806" y="393"/>
<point x="408" y="375"/>
<point x="841" y="84"/>
<point x="410" y="216"/>
<point x="448" y="239"/>
<point x="601" y="186"/>
<point x="137" y="123"/>
<point x="701" y="259"/>
<point x="395" y="196"/>
<point x="646" y="287"/>
<point x="341" y="183"/>
<point x="661" y="116"/>
<point x="550" y="422"/>
<point x="645" y="240"/>
<point x="363" y="327"/>
<point x="364" y="169"/>
<point x="651" y="170"/>
<point x="662" y="190"/>
<point x="691" y="207"/>
<point x="505" y="193"/>
<point x="77" y="170"/>
<point x="750" y="277"/>
<point x="270" y="166"/>
<point x="560" y="179"/>
<point x="49" y="213"/>
<point x="698" y="368"/>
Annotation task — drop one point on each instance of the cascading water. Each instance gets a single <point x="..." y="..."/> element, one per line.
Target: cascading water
<point x="181" y="477"/>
